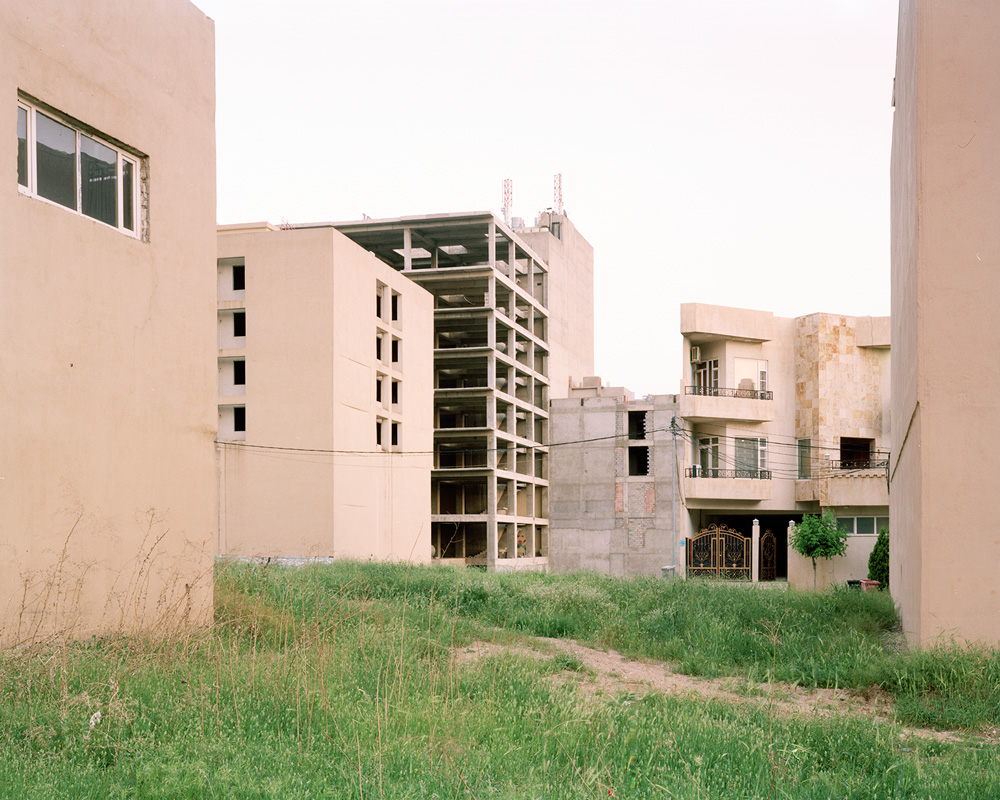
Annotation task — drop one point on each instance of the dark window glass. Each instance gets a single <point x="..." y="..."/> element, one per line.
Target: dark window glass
<point x="395" y="350"/>
<point x="240" y="323"/>
<point x="378" y="390"/>
<point x="395" y="434"/>
<point x="22" y="147"/>
<point x="395" y="391"/>
<point x="395" y="306"/>
<point x="378" y="303"/>
<point x="240" y="373"/>
<point x="239" y="278"/>
<point x="98" y="181"/>
<point x="378" y="431"/>
<point x="128" y="199"/>
<point x="378" y="348"/>
<point x="55" y="161"/>
<point x="240" y="418"/>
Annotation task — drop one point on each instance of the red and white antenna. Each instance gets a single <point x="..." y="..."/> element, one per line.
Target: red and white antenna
<point x="508" y="199"/>
<point x="557" y="193"/>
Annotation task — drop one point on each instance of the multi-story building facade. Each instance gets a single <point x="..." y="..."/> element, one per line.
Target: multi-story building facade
<point x="776" y="418"/>
<point x="324" y="399"/>
<point x="108" y="212"/>
<point x="944" y="548"/>
<point x="615" y="494"/>
<point x="495" y="347"/>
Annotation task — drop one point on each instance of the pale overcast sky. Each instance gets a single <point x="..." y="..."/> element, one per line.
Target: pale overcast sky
<point x="718" y="151"/>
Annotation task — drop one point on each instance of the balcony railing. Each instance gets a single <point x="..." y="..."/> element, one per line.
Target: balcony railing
<point x="718" y="391"/>
<point x="857" y="463"/>
<point x="711" y="472"/>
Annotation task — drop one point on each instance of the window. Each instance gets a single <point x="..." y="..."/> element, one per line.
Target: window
<point x="239" y="418"/>
<point x="378" y="348"/>
<point x="79" y="171"/>
<point x="855" y="453"/>
<point x="638" y="460"/>
<point x="395" y="351"/>
<point x="805" y="459"/>
<point x="749" y="376"/>
<point x="751" y="457"/>
<point x="394" y="441"/>
<point x="395" y="392"/>
<point x="706" y="376"/>
<point x="636" y="424"/>
<point x="378" y="432"/>
<point x="708" y="456"/>
<point x="862" y="526"/>
<point x="379" y="291"/>
<point x="239" y="373"/>
<point x="239" y="323"/>
<point x="378" y="390"/>
<point x="239" y="278"/>
<point x="395" y="307"/>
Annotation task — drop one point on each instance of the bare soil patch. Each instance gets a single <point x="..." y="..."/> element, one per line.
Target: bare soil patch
<point x="608" y="673"/>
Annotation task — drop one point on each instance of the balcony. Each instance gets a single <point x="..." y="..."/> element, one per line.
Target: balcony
<point x="846" y="483"/>
<point x="702" y="483"/>
<point x="705" y="403"/>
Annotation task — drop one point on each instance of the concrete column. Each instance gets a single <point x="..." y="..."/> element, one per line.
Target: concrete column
<point x="755" y="552"/>
<point x="407" y="250"/>
<point x="491" y="241"/>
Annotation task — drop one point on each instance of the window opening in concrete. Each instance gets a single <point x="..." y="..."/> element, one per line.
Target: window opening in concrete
<point x="395" y="435"/>
<point x="239" y="373"/>
<point x="855" y="453"/>
<point x="395" y="351"/>
<point x="378" y="432"/>
<point x="395" y="307"/>
<point x="379" y="291"/>
<point x="636" y="424"/>
<point x="378" y="390"/>
<point x="239" y="418"/>
<point x="378" y="347"/>
<point x="239" y="277"/>
<point x="239" y="323"/>
<point x="395" y="392"/>
<point x="638" y="460"/>
<point x="805" y="459"/>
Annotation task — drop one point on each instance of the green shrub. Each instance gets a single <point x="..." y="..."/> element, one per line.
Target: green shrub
<point x="878" y="561"/>
<point x="819" y="537"/>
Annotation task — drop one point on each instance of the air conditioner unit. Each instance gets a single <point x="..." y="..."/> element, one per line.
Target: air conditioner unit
<point x="695" y="354"/>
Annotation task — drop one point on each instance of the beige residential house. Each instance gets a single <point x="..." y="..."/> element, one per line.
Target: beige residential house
<point x="944" y="547"/>
<point x="513" y="322"/>
<point x="107" y="203"/>
<point x="775" y="418"/>
<point x="324" y="399"/>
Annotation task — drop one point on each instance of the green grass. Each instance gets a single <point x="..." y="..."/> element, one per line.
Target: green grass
<point x="340" y="681"/>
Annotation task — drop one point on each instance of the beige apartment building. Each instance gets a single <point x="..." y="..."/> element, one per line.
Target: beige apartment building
<point x="775" y="418"/>
<point x="513" y="307"/>
<point x="324" y="399"/>
<point x="944" y="547"/>
<point x="106" y="291"/>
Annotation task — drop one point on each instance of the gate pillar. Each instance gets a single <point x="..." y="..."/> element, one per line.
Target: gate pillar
<point x="755" y="552"/>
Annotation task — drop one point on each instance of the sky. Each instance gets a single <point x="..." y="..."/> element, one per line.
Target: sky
<point x="716" y="151"/>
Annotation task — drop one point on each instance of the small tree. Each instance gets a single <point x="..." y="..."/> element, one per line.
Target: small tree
<point x="878" y="561"/>
<point x="819" y="537"/>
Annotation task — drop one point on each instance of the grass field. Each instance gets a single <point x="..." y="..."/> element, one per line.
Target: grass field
<point x="342" y="681"/>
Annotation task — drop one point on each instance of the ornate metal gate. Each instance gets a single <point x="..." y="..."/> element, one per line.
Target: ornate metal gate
<point x="719" y="552"/>
<point x="768" y="557"/>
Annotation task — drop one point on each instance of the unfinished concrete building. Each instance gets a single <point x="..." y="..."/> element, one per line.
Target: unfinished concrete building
<point x="615" y="490"/>
<point x="494" y="353"/>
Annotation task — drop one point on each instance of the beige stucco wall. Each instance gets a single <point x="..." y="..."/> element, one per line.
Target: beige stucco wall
<point x="327" y="489"/>
<point x="106" y="375"/>
<point x="853" y="565"/>
<point x="945" y="547"/>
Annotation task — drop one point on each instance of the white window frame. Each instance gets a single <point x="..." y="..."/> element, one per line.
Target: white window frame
<point x="122" y="157"/>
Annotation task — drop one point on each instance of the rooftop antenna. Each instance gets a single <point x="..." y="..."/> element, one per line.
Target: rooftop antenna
<point x="508" y="196"/>
<point x="557" y="192"/>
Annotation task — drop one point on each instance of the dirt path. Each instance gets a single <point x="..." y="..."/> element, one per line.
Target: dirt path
<point x="608" y="673"/>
